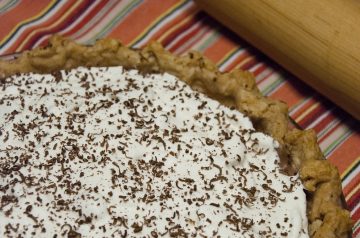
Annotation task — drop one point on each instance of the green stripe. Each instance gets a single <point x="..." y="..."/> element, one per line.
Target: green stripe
<point x="298" y="104"/>
<point x="224" y="61"/>
<point x="328" y="127"/>
<point x="272" y="86"/>
<point x="114" y="21"/>
<point x="356" y="165"/>
<point x="212" y="37"/>
<point x="357" y="225"/>
<point x="8" y="5"/>
<point x="159" y="22"/>
<point x="336" y="142"/>
<point x="27" y="22"/>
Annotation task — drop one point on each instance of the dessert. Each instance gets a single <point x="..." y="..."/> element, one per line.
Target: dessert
<point x="109" y="151"/>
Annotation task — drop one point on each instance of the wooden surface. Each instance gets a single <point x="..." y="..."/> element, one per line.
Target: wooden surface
<point x="318" y="41"/>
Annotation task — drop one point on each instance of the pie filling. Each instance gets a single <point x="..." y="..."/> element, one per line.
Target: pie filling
<point x="111" y="152"/>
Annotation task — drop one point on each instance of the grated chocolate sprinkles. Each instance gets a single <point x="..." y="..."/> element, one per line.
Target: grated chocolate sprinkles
<point x="107" y="152"/>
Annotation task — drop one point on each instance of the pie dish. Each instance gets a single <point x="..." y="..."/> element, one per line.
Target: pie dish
<point x="298" y="150"/>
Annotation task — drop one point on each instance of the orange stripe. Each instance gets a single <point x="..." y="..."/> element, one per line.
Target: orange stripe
<point x="221" y="47"/>
<point x="306" y="112"/>
<point x="346" y="153"/>
<point x="143" y="16"/>
<point x="247" y="64"/>
<point x="187" y="37"/>
<point x="353" y="193"/>
<point x="171" y="26"/>
<point x="350" y="169"/>
<point x="25" y="10"/>
<point x="307" y="119"/>
<point x="189" y="46"/>
<point x="266" y="76"/>
<point x="324" y="122"/>
<point x="303" y="108"/>
<point x="46" y="23"/>
<point x="69" y="11"/>
<point x="335" y="127"/>
<point x="289" y="93"/>
<point x="351" y="185"/>
<point x="239" y="60"/>
<point x="89" y="15"/>
<point x="260" y="68"/>
<point x="177" y="29"/>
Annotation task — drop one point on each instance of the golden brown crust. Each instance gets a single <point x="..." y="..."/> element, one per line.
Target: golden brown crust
<point x="237" y="88"/>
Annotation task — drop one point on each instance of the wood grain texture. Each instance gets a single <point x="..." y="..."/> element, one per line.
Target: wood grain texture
<point x="318" y="41"/>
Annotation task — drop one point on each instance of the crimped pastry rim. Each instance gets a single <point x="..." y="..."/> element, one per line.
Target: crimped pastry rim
<point x="327" y="217"/>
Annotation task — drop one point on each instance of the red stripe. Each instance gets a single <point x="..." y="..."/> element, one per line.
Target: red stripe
<point x="219" y="48"/>
<point x="303" y="108"/>
<point x="186" y="37"/>
<point x="23" y="11"/>
<point x="87" y="18"/>
<point x="324" y="122"/>
<point x="57" y="14"/>
<point x="328" y="133"/>
<point x="244" y="54"/>
<point x="270" y="73"/>
<point x="353" y="201"/>
<point x="249" y="64"/>
<point x="28" y="29"/>
<point x="356" y="233"/>
<point x="100" y="5"/>
<point x="199" y="37"/>
<point x="191" y="13"/>
<point x="61" y="25"/>
<point x="356" y="217"/>
<point x="259" y="69"/>
<point x="309" y="118"/>
<point x="351" y="185"/>
<point x="168" y="39"/>
<point x="142" y="16"/>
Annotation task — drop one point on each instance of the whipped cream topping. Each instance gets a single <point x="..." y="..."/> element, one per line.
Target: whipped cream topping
<point x="107" y="152"/>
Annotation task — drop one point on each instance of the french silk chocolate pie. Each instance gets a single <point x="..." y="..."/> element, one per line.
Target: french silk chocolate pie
<point x="106" y="141"/>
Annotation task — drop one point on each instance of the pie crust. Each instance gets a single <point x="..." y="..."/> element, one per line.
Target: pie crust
<point x="299" y="150"/>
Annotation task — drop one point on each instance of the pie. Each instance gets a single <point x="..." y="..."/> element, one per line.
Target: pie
<point x="108" y="141"/>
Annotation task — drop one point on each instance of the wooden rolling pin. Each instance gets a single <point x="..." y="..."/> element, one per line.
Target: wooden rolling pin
<point x="317" y="40"/>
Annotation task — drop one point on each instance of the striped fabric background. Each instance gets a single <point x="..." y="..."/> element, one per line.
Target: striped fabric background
<point x="180" y="26"/>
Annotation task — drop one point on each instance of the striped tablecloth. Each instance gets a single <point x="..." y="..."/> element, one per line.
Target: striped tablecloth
<point x="180" y="26"/>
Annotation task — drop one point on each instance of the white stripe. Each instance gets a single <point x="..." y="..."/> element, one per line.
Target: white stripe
<point x="329" y="126"/>
<point x="319" y="119"/>
<point x="346" y="137"/>
<point x="10" y="4"/>
<point x="212" y="33"/>
<point x="297" y="107"/>
<point x="88" y="25"/>
<point x="274" y="89"/>
<point x="351" y="176"/>
<point x="355" y="208"/>
<point x="28" y="25"/>
<point x="265" y="73"/>
<point x="331" y="137"/>
<point x="68" y="28"/>
<point x="109" y="17"/>
<point x="229" y="61"/>
<point x="162" y="23"/>
<point x="183" y="34"/>
<point x="193" y="39"/>
<point x="269" y="81"/>
<point x="256" y="66"/>
<point x="4" y="3"/>
<point x="341" y="131"/>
